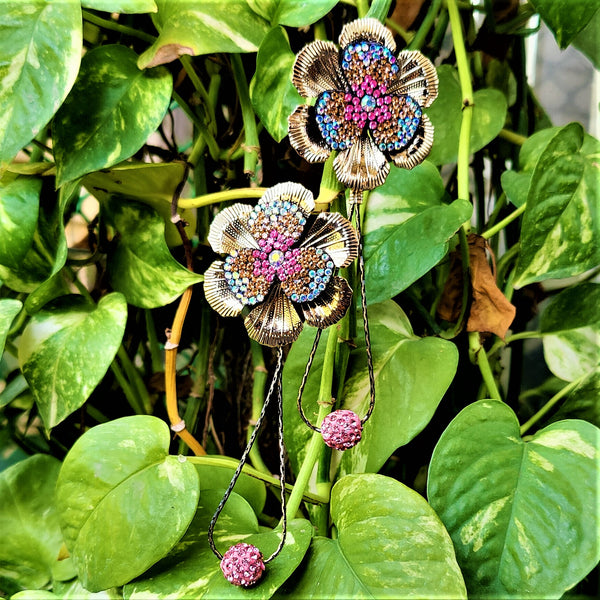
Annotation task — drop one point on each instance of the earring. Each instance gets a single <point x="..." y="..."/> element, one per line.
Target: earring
<point x="369" y="109"/>
<point x="280" y="276"/>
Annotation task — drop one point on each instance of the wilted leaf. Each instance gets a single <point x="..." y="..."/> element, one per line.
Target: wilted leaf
<point x="522" y="515"/>
<point x="120" y="490"/>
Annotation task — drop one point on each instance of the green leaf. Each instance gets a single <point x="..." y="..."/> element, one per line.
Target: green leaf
<point x="291" y="12"/>
<point x="521" y="514"/>
<point x="582" y="402"/>
<point x="203" y="27"/>
<point x="566" y="18"/>
<point x="397" y="255"/>
<point x="192" y="571"/>
<point x="586" y="41"/>
<point x="9" y="309"/>
<point x="48" y="253"/>
<point x="123" y="501"/>
<point x="489" y="115"/>
<point x="516" y="186"/>
<point x="65" y="351"/>
<point x="39" y="64"/>
<point x="121" y="6"/>
<point x="150" y="183"/>
<point x="19" y="207"/>
<point x="92" y="130"/>
<point x="31" y="538"/>
<point x="271" y="91"/>
<point x="139" y="262"/>
<point x="390" y="544"/>
<point x="571" y="328"/>
<point x="561" y="229"/>
<point x="73" y="590"/>
<point x="212" y="477"/>
<point x="411" y="377"/>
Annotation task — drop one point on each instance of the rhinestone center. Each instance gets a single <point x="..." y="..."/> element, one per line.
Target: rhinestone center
<point x="275" y="258"/>
<point x="368" y="103"/>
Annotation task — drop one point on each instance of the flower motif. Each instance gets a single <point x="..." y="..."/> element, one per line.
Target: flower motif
<point x="282" y="274"/>
<point x="369" y="104"/>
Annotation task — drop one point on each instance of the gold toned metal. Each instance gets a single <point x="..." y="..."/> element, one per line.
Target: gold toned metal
<point x="417" y="152"/>
<point x="367" y="29"/>
<point x="316" y="69"/>
<point x="311" y="150"/>
<point x="363" y="166"/>
<point x="416" y="78"/>
<point x="330" y="306"/>
<point x="335" y="234"/>
<point x="276" y="272"/>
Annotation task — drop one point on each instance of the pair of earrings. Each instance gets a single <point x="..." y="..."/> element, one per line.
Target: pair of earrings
<point x="369" y="109"/>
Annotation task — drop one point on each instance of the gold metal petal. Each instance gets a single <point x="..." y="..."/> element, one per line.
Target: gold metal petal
<point x="218" y="293"/>
<point x="416" y="78"/>
<point x="418" y="150"/>
<point x="336" y="235"/>
<point x="292" y="192"/>
<point x="229" y="231"/>
<point x="275" y="322"/>
<point x="309" y="149"/>
<point x="317" y="70"/>
<point x="330" y="305"/>
<point x="367" y="29"/>
<point x="362" y="166"/>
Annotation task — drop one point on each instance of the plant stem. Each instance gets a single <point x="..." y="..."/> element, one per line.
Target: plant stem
<point x="186" y="61"/>
<point x="251" y="143"/>
<point x="419" y="38"/>
<point x="379" y="10"/>
<point x="258" y="391"/>
<point x="128" y="390"/>
<point x="217" y="197"/>
<point x="124" y="29"/>
<point x="479" y="356"/>
<point x="155" y="353"/>
<point x="558" y="396"/>
<point x="135" y="379"/>
<point x="512" y="136"/>
<point x="405" y="35"/>
<point x="523" y="335"/>
<point x="502" y="224"/>
<point x="464" y="75"/>
<point x="362" y="6"/>
<point x="315" y="446"/>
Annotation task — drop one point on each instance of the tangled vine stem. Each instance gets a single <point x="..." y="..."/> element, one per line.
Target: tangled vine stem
<point x="177" y="423"/>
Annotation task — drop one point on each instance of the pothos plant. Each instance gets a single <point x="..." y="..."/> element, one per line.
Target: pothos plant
<point x="141" y="120"/>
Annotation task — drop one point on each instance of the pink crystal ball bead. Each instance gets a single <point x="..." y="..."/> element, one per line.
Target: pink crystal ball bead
<point x="243" y="565"/>
<point x="341" y="429"/>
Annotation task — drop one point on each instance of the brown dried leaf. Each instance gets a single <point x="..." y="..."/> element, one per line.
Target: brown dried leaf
<point x="405" y="12"/>
<point x="490" y="311"/>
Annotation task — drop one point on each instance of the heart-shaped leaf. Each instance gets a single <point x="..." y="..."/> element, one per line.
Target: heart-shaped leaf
<point x="9" y="309"/>
<point x="139" y="262"/>
<point x="39" y="65"/>
<point x="397" y="255"/>
<point x="560" y="229"/>
<point x="290" y="12"/>
<point x="192" y="570"/>
<point x="19" y="207"/>
<point x="489" y="115"/>
<point x="586" y="41"/>
<point x="566" y="19"/>
<point x="582" y="402"/>
<point x="121" y="6"/>
<point x="198" y="27"/>
<point x="571" y="328"/>
<point x="522" y="515"/>
<point x="29" y="520"/>
<point x="150" y="183"/>
<point x="123" y="501"/>
<point x="390" y="544"/>
<point x="411" y="376"/>
<point x="271" y="91"/>
<point x="65" y="351"/>
<point x="92" y="130"/>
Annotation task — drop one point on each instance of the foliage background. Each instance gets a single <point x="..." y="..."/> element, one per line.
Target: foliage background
<point x="97" y="497"/>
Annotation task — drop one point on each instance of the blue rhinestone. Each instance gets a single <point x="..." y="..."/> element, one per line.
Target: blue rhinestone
<point x="364" y="47"/>
<point x="327" y="272"/>
<point x="326" y="95"/>
<point x="294" y="297"/>
<point x="394" y="68"/>
<point x="382" y="145"/>
<point x="252" y="300"/>
<point x="397" y="145"/>
<point x="334" y="146"/>
<point x="311" y="273"/>
<point x="321" y="286"/>
<point x="320" y="271"/>
<point x="325" y="256"/>
<point x="415" y="121"/>
<point x="312" y="285"/>
<point x="318" y="279"/>
<point x="310" y="297"/>
<point x="345" y="64"/>
<point x="390" y="146"/>
<point x="318" y="251"/>
<point x="330" y="264"/>
<point x="342" y="146"/>
<point x="302" y="297"/>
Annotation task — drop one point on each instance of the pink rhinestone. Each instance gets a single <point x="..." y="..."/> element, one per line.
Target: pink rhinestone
<point x="387" y="99"/>
<point x="376" y="93"/>
<point x="261" y="242"/>
<point x="243" y="565"/>
<point x="360" y="93"/>
<point x="355" y="101"/>
<point x="341" y="429"/>
<point x="347" y="97"/>
<point x="383" y="88"/>
<point x="372" y="125"/>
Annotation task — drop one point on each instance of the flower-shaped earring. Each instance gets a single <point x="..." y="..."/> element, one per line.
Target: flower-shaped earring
<point x="369" y="109"/>
<point x="284" y="277"/>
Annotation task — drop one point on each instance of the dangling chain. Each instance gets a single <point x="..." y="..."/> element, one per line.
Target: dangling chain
<point x="274" y="389"/>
